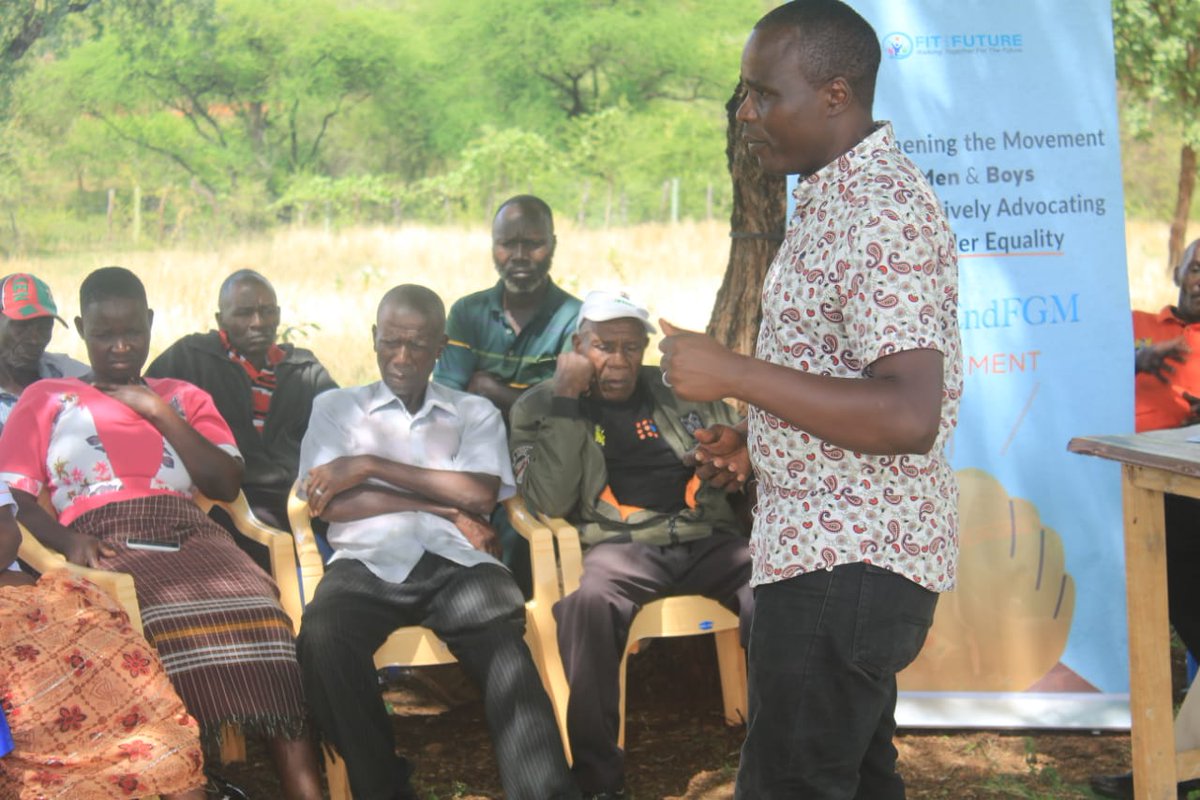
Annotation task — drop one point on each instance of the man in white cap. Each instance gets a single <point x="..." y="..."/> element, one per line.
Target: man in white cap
<point x="27" y="314"/>
<point x="605" y="443"/>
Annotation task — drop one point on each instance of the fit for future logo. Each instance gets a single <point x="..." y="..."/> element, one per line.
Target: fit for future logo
<point x="898" y="45"/>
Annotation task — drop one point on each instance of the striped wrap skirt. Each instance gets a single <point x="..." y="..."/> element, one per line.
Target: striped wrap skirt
<point x="210" y="612"/>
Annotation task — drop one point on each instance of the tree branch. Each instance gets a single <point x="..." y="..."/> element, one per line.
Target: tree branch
<point x="153" y="148"/>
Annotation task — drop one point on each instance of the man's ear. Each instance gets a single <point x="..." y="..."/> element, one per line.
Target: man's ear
<point x="150" y="318"/>
<point x="374" y="339"/>
<point x="441" y="346"/>
<point x="79" y="327"/>
<point x="838" y="96"/>
<point x="577" y="343"/>
<point x="217" y="317"/>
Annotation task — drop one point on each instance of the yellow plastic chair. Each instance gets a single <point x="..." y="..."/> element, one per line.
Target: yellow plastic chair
<point x="120" y="587"/>
<point x="416" y="646"/>
<point x="684" y="615"/>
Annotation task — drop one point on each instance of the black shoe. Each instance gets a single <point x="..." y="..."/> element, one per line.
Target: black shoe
<point x="1121" y="786"/>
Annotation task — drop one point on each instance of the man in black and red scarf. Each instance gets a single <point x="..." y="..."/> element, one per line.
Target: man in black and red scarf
<point x="264" y="390"/>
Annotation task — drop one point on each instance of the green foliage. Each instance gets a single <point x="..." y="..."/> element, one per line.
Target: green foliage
<point x="1158" y="59"/>
<point x="228" y="115"/>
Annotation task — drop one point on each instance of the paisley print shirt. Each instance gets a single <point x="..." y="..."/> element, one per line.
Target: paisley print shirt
<point x="868" y="269"/>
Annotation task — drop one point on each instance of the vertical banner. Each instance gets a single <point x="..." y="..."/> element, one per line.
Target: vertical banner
<point x="1010" y="110"/>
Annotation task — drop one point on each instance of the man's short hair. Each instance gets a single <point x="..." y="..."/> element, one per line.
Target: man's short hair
<point x="239" y="276"/>
<point x="1189" y="254"/>
<point x="837" y="42"/>
<point x="108" y="283"/>
<point x="417" y="298"/>
<point x="529" y="202"/>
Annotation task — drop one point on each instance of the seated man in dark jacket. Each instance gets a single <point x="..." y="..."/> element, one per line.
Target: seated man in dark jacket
<point x="604" y="444"/>
<point x="263" y="390"/>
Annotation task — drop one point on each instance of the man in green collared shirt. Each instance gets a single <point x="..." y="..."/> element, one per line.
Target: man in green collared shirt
<point x="507" y="338"/>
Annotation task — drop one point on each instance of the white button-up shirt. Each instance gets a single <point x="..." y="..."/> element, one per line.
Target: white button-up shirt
<point x="452" y="431"/>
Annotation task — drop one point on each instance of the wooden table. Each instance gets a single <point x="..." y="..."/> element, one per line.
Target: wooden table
<point x="1153" y="464"/>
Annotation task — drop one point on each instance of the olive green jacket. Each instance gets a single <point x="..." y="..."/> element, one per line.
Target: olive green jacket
<point x="560" y="470"/>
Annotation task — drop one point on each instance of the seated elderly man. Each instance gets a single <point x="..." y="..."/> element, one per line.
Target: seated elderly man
<point x="264" y="390"/>
<point x="606" y="444"/>
<point x="405" y="472"/>
<point x="27" y="314"/>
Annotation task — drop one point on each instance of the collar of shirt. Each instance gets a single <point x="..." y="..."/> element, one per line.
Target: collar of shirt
<point x="550" y="303"/>
<point x="842" y="168"/>
<point x="436" y="398"/>
<point x="1168" y="315"/>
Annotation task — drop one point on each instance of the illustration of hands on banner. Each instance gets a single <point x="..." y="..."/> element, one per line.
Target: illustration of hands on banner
<point x="1005" y="627"/>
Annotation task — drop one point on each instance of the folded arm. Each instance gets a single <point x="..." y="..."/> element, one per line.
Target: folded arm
<point x="472" y="492"/>
<point x="361" y="502"/>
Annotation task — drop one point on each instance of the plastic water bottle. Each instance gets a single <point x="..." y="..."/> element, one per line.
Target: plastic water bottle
<point x="6" y="742"/>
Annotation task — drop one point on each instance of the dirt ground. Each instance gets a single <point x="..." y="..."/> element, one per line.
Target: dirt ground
<point x="679" y="748"/>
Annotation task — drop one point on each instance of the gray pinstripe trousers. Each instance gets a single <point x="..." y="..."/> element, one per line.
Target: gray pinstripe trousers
<point x="480" y="614"/>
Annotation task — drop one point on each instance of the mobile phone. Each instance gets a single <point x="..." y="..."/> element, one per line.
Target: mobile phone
<point x="150" y="544"/>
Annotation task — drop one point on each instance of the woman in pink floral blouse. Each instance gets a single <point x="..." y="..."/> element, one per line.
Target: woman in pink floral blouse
<point x="120" y="458"/>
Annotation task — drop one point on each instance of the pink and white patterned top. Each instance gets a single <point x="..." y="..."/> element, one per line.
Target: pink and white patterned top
<point x="89" y="449"/>
<point x="868" y="269"/>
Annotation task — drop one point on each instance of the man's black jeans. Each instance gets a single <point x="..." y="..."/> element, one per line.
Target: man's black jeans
<point x="825" y="648"/>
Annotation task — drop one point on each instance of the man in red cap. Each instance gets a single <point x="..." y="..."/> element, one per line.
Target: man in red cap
<point x="27" y="314"/>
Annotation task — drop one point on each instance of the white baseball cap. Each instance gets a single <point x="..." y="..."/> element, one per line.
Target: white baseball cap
<point x="602" y="305"/>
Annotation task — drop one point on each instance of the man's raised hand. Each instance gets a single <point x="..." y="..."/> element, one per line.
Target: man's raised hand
<point x="1156" y="359"/>
<point x="572" y="375"/>
<point x="695" y="366"/>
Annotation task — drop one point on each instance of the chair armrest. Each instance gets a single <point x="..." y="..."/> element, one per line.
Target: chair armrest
<point x="312" y="567"/>
<point x="280" y="549"/>
<point x="544" y="567"/>
<point x="117" y="585"/>
<point x="570" y="553"/>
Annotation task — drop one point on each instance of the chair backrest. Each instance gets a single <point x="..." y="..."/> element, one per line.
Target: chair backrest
<point x="312" y="566"/>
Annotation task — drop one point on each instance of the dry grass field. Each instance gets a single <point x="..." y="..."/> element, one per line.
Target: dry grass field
<point x="329" y="282"/>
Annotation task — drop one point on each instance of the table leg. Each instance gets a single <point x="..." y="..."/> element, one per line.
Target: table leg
<point x="1152" y="733"/>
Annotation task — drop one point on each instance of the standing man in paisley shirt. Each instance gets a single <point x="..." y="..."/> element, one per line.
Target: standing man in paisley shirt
<point x="853" y="393"/>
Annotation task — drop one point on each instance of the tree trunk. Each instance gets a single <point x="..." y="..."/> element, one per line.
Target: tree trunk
<point x="1183" y="205"/>
<point x="756" y="226"/>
